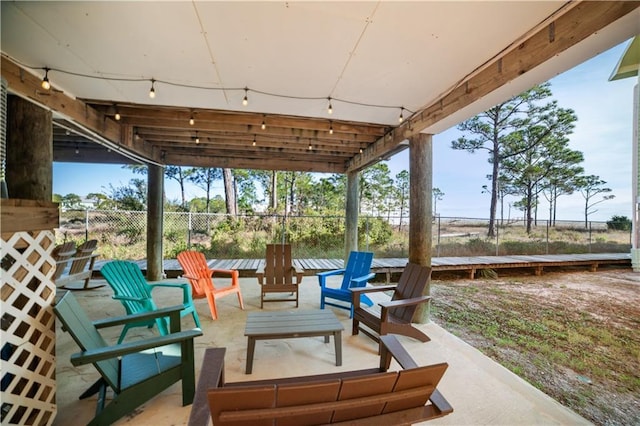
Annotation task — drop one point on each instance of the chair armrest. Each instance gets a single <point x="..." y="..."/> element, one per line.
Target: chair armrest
<point x="138" y="317"/>
<point x="329" y="273"/>
<point x="361" y="281"/>
<point x="404" y="302"/>
<point x="440" y="402"/>
<point x="186" y="290"/>
<point x="299" y="273"/>
<point x="391" y="347"/>
<point x="110" y="352"/>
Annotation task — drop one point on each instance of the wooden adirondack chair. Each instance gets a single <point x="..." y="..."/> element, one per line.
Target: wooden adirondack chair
<point x="81" y="268"/>
<point x="354" y="275"/>
<point x="133" y="291"/>
<point x="279" y="275"/>
<point x="197" y="271"/>
<point x="62" y="254"/>
<point x="136" y="371"/>
<point x="396" y="315"/>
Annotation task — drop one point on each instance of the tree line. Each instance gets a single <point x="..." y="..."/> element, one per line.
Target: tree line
<point x="525" y="138"/>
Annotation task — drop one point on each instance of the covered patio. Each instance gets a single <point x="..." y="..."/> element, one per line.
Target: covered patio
<point x="305" y="86"/>
<point x="481" y="391"/>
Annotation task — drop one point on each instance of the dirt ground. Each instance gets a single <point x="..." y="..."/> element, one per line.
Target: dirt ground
<point x="604" y="386"/>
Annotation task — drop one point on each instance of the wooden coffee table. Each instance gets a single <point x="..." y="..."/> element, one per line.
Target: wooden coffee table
<point x="290" y="324"/>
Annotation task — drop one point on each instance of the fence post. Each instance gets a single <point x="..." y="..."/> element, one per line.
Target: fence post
<point x="547" y="250"/>
<point x="86" y="225"/>
<point x="438" y="238"/>
<point x="189" y="227"/>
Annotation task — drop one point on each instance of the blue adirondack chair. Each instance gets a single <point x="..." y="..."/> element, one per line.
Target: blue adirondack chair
<point x="134" y="292"/>
<point x="355" y="274"/>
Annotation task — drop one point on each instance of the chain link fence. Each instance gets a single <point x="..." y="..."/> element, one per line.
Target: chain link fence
<point x="122" y="235"/>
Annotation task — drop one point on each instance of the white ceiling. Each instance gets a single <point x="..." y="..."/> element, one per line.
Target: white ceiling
<point x="293" y="56"/>
<point x="385" y="53"/>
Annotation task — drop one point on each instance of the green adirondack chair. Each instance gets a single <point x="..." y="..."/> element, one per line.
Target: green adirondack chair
<point x="354" y="275"/>
<point x="135" y="371"/>
<point x="134" y="292"/>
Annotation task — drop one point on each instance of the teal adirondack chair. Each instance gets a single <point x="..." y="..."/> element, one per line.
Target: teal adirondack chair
<point x="355" y="274"/>
<point x="136" y="371"/>
<point x="134" y="292"/>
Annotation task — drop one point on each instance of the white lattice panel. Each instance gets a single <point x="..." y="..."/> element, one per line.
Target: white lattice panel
<point x="28" y="342"/>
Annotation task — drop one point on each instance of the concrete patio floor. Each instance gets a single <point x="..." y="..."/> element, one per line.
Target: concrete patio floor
<point x="481" y="391"/>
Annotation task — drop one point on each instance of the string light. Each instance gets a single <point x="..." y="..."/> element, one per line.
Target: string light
<point x="77" y="149"/>
<point x="191" y="120"/>
<point x="361" y="151"/>
<point x="254" y="141"/>
<point x="197" y="138"/>
<point x="152" y="92"/>
<point x="245" y="100"/>
<point x="45" y="80"/>
<point x="264" y="125"/>
<point x="310" y="146"/>
<point x="330" y="128"/>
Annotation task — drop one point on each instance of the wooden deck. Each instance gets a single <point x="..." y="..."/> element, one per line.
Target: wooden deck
<point x="388" y="266"/>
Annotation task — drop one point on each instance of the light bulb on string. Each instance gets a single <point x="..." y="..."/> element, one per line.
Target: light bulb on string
<point x="117" y="114"/>
<point x="254" y="141"/>
<point x="330" y="128"/>
<point x="245" y="100"/>
<point x="197" y="138"/>
<point x="361" y="151"/>
<point x="152" y="91"/>
<point x="192" y="121"/>
<point x="330" y="107"/>
<point x="264" y="125"/>
<point x="401" y="118"/>
<point x="77" y="149"/>
<point x="310" y="146"/>
<point x="45" y="80"/>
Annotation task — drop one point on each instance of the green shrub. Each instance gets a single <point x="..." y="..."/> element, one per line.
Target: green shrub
<point x="620" y="223"/>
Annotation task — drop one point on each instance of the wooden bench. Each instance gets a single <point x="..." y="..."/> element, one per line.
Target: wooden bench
<point x="370" y="396"/>
<point x="75" y="264"/>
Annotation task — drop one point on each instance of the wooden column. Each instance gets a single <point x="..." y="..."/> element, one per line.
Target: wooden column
<point x="420" y="210"/>
<point x="155" y="191"/>
<point x="29" y="168"/>
<point x="351" y="215"/>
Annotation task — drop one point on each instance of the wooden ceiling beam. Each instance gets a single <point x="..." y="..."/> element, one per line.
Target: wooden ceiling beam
<point x="242" y="162"/>
<point x="28" y="86"/>
<point x="179" y="115"/>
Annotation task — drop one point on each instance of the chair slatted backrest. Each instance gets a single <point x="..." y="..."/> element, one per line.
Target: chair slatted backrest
<point x="194" y="264"/>
<point x="326" y="401"/>
<point x="126" y="279"/>
<point x="412" y="283"/>
<point x="83" y="255"/>
<point x="358" y="265"/>
<point x="84" y="333"/>
<point x="62" y="255"/>
<point x="278" y="265"/>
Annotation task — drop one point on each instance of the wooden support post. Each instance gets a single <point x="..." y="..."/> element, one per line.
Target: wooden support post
<point x="351" y="215"/>
<point x="420" y="211"/>
<point x="29" y="168"/>
<point x="155" y="193"/>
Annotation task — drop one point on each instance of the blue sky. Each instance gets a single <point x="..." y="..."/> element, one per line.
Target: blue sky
<point x="603" y="133"/>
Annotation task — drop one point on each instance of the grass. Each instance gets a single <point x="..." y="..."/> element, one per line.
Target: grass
<point x="546" y="341"/>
